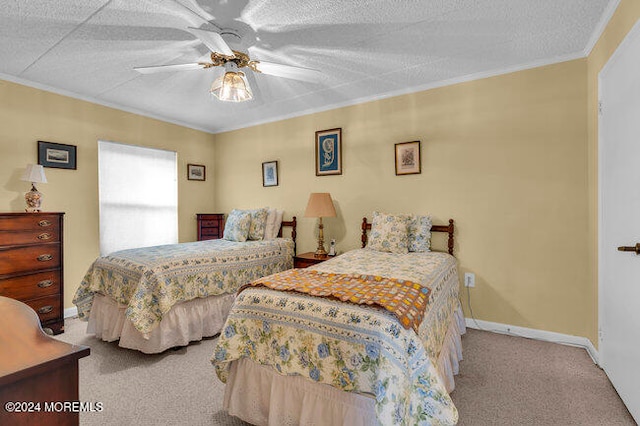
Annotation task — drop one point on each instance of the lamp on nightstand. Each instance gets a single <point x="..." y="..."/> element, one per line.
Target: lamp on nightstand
<point x="320" y="205"/>
<point x="33" y="174"/>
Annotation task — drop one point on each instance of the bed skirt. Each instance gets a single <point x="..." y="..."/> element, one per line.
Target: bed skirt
<point x="185" y="322"/>
<point x="259" y="395"/>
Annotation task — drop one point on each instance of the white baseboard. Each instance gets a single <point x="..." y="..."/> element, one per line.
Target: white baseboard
<point x="531" y="333"/>
<point x="71" y="312"/>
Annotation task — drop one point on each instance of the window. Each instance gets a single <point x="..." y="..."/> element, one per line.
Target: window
<point x="138" y="191"/>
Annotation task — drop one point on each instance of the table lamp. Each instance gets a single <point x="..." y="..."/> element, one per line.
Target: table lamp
<point x="320" y="205"/>
<point x="34" y="173"/>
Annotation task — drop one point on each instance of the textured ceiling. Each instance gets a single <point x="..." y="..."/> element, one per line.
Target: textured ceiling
<point x="365" y="49"/>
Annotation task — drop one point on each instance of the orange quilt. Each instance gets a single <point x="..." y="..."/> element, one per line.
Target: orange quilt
<point x="407" y="300"/>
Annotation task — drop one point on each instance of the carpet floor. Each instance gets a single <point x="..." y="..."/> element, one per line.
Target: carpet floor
<point x="503" y="380"/>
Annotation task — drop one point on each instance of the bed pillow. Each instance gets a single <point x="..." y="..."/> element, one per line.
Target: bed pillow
<point x="419" y="228"/>
<point x="274" y="220"/>
<point x="258" y="223"/>
<point x="389" y="233"/>
<point x="237" y="225"/>
<point x="271" y="218"/>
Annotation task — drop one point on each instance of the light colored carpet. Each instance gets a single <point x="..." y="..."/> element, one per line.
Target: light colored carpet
<point x="176" y="387"/>
<point x="503" y="380"/>
<point x="506" y="380"/>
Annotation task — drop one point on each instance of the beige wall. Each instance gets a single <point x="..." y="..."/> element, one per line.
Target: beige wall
<point x="506" y="157"/>
<point x="623" y="20"/>
<point x="28" y="115"/>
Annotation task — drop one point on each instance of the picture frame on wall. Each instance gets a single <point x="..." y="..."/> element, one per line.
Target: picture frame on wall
<point x="57" y="155"/>
<point x="408" y="160"/>
<point x="196" y="172"/>
<point x="270" y="173"/>
<point x="328" y="148"/>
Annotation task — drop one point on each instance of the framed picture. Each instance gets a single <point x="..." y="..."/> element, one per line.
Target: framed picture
<point x="329" y="152"/>
<point x="56" y="155"/>
<point x="270" y="173"/>
<point x="408" y="158"/>
<point x="196" y="172"/>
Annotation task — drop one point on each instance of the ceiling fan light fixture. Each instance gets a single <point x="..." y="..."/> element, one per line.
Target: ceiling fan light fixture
<point x="232" y="86"/>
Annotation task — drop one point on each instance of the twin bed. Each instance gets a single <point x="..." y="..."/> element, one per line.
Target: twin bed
<point x="155" y="298"/>
<point x="292" y="358"/>
<point x="287" y="356"/>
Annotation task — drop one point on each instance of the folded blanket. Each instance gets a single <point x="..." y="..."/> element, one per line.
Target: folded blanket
<point x="407" y="300"/>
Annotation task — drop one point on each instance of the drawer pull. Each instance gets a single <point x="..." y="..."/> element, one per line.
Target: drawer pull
<point x="44" y="236"/>
<point x="45" y="283"/>
<point x="45" y="257"/>
<point x="45" y="309"/>
<point x="44" y="223"/>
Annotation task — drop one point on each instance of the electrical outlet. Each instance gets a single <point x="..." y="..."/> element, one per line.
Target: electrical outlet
<point x="469" y="279"/>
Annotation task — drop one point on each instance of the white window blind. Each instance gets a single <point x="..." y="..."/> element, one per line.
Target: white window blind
<point x="138" y="196"/>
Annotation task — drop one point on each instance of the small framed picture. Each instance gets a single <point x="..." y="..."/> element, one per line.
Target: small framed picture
<point x="196" y="172"/>
<point x="56" y="155"/>
<point x="408" y="158"/>
<point x="270" y="173"/>
<point x="328" y="152"/>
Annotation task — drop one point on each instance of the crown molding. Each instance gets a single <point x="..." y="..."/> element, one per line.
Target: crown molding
<point x="90" y="99"/>
<point x="602" y="24"/>
<point x="408" y="90"/>
<point x="309" y="111"/>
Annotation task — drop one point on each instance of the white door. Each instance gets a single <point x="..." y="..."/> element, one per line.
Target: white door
<point x="619" y="283"/>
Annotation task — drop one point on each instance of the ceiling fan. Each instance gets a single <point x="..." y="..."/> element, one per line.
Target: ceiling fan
<point x="232" y="85"/>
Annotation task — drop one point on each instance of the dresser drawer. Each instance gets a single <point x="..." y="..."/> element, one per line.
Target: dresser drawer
<point x="47" y="308"/>
<point x="9" y="238"/>
<point x="31" y="286"/>
<point x="29" y="258"/>
<point x="303" y="263"/>
<point x="208" y="223"/>
<point x="210" y="231"/>
<point x="27" y="222"/>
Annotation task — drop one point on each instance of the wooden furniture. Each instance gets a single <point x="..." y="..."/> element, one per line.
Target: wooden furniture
<point x="293" y="223"/>
<point x="305" y="260"/>
<point x="435" y="228"/>
<point x="31" y="264"/>
<point x="210" y="226"/>
<point x="37" y="372"/>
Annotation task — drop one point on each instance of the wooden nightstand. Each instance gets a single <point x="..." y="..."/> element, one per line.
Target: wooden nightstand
<point x="210" y="226"/>
<point x="305" y="260"/>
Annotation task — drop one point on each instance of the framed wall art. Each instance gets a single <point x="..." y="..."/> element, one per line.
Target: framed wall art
<point x="408" y="158"/>
<point x="196" y="172"/>
<point x="56" y="155"/>
<point x="328" y="148"/>
<point x="270" y="173"/>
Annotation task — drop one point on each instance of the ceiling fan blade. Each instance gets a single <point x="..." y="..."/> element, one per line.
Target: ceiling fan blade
<point x="212" y="40"/>
<point x="289" y="71"/>
<point x="165" y="68"/>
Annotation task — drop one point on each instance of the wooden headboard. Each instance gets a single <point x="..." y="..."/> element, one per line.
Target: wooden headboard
<point x="292" y="223"/>
<point x="435" y="228"/>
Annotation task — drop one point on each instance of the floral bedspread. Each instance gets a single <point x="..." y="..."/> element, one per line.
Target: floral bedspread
<point x="351" y="347"/>
<point x="150" y="280"/>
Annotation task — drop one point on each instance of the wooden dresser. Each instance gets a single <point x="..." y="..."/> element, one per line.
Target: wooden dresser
<point x="210" y="226"/>
<point x="31" y="264"/>
<point x="38" y="374"/>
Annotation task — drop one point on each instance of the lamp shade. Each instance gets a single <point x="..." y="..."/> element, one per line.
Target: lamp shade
<point x="34" y="173"/>
<point x="232" y="86"/>
<point x="320" y="205"/>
